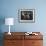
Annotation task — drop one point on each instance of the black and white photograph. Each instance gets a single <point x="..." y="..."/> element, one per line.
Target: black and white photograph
<point x="26" y="15"/>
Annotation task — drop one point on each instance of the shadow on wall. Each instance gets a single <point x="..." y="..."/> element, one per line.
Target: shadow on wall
<point x="2" y="21"/>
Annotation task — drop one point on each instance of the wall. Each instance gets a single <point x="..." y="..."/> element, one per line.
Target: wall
<point x="9" y="8"/>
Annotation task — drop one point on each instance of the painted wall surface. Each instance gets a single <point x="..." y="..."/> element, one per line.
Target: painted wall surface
<point x="9" y="8"/>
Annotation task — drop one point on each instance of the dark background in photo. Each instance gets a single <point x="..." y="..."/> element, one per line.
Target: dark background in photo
<point x="26" y="15"/>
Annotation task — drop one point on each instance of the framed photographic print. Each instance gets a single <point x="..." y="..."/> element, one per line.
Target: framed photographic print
<point x="26" y="15"/>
